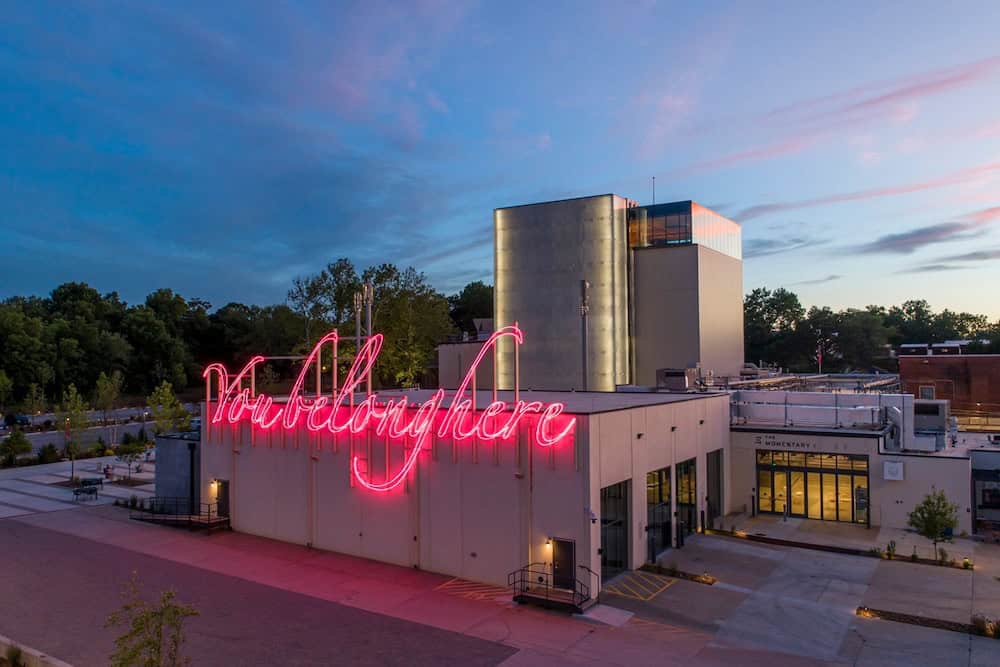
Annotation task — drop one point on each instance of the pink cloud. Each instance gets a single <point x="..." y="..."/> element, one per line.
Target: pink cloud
<point x="956" y="178"/>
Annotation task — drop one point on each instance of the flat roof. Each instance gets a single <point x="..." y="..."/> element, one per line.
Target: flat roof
<point x="576" y="402"/>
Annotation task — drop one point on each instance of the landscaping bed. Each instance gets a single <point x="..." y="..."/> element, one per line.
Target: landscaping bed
<point x="125" y="481"/>
<point x="869" y="553"/>
<point x="706" y="579"/>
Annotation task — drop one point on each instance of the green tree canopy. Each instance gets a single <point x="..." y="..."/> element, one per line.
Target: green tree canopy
<point x="473" y="302"/>
<point x="14" y="445"/>
<point x="933" y="517"/>
<point x="168" y="413"/>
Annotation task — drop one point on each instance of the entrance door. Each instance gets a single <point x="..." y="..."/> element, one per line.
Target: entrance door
<point x="687" y="496"/>
<point x="563" y="564"/>
<point x="223" y="497"/>
<point x="797" y="493"/>
<point x="780" y="491"/>
<point x="614" y="528"/>
<point x="657" y="512"/>
<point x="714" y="481"/>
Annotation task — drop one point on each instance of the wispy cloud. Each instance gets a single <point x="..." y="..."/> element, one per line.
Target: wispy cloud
<point x="974" y="256"/>
<point x="904" y="243"/>
<point x="955" y="178"/>
<point x="763" y="247"/>
<point x="807" y="123"/>
<point x="931" y="268"/>
<point x="894" y="99"/>
<point x="819" y="281"/>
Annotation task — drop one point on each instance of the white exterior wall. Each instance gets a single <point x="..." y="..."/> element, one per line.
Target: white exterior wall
<point x="890" y="501"/>
<point x="618" y="454"/>
<point x="473" y="512"/>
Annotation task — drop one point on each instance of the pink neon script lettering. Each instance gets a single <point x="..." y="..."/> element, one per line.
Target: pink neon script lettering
<point x="460" y="422"/>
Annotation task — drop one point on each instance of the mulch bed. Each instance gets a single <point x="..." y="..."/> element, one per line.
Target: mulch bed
<point x="832" y="549"/>
<point x="125" y="481"/>
<point x="708" y="580"/>
<point x="937" y="623"/>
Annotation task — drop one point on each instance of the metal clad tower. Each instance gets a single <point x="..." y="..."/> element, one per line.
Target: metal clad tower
<point x="542" y="252"/>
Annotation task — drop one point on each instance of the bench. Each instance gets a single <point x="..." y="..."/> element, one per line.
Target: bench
<point x="84" y="491"/>
<point x="92" y="481"/>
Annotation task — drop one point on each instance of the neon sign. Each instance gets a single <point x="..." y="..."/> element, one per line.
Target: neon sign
<point x="462" y="421"/>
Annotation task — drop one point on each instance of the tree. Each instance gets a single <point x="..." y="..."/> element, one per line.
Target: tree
<point x="106" y="394"/>
<point x="129" y="452"/>
<point x="34" y="401"/>
<point x="770" y="321"/>
<point x="168" y="413"/>
<point x="6" y="389"/>
<point x="414" y="318"/>
<point x="72" y="417"/>
<point x="933" y="517"/>
<point x="13" y="446"/>
<point x="862" y="337"/>
<point x="473" y="302"/>
<point x="153" y="632"/>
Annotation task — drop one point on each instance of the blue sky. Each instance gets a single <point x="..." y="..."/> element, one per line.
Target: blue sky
<point x="223" y="148"/>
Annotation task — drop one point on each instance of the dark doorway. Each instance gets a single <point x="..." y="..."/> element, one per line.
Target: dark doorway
<point x="614" y="528"/>
<point x="715" y="484"/>
<point x="687" y="496"/>
<point x="657" y="512"/>
<point x="563" y="564"/>
<point x="223" y="497"/>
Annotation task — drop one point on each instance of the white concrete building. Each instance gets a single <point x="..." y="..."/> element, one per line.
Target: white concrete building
<point x="600" y="500"/>
<point x="853" y="458"/>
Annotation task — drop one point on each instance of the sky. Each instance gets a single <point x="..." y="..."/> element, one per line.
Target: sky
<point x="222" y="149"/>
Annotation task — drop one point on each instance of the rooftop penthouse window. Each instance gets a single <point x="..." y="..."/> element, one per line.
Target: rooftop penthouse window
<point x="683" y="223"/>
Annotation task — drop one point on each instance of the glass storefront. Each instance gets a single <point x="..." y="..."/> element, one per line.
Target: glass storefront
<point x="657" y="512"/>
<point x="614" y="528"/>
<point x="683" y="223"/>
<point x="687" y="495"/>
<point x="831" y="487"/>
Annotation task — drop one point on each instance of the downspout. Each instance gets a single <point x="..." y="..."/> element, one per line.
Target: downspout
<point x="191" y="480"/>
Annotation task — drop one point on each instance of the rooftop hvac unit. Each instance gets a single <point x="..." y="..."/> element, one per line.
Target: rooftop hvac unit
<point x="676" y="379"/>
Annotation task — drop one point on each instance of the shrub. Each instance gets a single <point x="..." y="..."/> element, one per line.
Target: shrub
<point x="48" y="454"/>
<point x="126" y="439"/>
<point x="875" y="551"/>
<point x="890" y="549"/>
<point x="966" y="563"/>
<point x="986" y="626"/>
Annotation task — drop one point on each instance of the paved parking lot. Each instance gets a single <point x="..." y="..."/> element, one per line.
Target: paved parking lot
<point x="263" y="601"/>
<point x="802" y="602"/>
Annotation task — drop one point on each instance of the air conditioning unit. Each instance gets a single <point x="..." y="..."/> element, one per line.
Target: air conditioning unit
<point x="676" y="379"/>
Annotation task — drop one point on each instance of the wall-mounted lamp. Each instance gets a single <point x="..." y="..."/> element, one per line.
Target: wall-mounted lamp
<point x="638" y="436"/>
<point x="700" y="422"/>
<point x="673" y="428"/>
<point x="548" y="543"/>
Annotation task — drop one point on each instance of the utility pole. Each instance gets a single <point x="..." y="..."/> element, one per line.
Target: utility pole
<point x="584" y="310"/>
<point x="654" y="189"/>
<point x="369" y="296"/>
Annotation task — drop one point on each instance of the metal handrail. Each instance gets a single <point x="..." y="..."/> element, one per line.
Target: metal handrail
<point x="535" y="579"/>
<point x="177" y="509"/>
